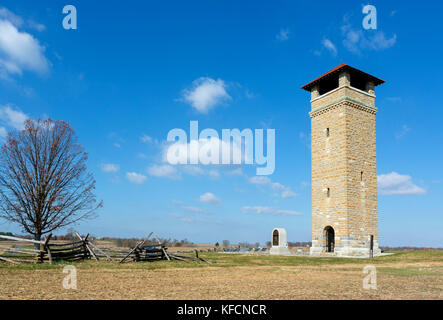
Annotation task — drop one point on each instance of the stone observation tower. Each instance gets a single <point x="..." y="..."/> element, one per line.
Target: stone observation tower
<point x="344" y="173"/>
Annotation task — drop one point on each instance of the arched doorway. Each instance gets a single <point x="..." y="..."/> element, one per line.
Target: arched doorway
<point x="275" y="238"/>
<point x="329" y="239"/>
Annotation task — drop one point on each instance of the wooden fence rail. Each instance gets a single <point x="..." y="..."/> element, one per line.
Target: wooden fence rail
<point x="82" y="248"/>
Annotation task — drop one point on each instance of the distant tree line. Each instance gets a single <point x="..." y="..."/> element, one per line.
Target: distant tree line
<point x="5" y="234"/>
<point x="131" y="242"/>
<point x="248" y="245"/>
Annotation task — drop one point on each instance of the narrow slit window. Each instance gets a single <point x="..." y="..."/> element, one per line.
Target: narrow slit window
<point x="328" y="193"/>
<point x="327" y="132"/>
<point x="361" y="176"/>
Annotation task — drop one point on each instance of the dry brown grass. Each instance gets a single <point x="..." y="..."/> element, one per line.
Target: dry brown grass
<point x="413" y="275"/>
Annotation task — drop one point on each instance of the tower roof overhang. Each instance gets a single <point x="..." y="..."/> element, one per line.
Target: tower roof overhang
<point x="354" y="73"/>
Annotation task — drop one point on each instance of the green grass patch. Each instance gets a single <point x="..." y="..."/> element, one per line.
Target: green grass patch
<point x="411" y="271"/>
<point x="239" y="260"/>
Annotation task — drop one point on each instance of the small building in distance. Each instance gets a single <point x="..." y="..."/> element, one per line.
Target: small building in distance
<point x="279" y="242"/>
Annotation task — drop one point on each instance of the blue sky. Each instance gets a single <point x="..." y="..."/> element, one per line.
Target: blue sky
<point x="134" y="70"/>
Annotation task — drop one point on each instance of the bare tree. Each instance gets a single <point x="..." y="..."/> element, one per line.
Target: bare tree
<point x="44" y="184"/>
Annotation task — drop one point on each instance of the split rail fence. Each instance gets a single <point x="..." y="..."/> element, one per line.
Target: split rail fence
<point x="82" y="248"/>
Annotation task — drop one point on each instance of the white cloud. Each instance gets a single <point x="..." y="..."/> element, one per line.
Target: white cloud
<point x="190" y="209"/>
<point x="182" y="153"/>
<point x="269" y="210"/>
<point x="110" y="167"/>
<point x="3" y="132"/>
<point x="209" y="197"/>
<point x="288" y="194"/>
<point x="249" y="94"/>
<point x="36" y="26"/>
<point x="305" y="139"/>
<point x="182" y="218"/>
<point x="260" y="180"/>
<point x="394" y="99"/>
<point x="18" y="21"/>
<point x="278" y="186"/>
<point x="12" y="118"/>
<point x="329" y="46"/>
<point x="205" y="94"/>
<point x="195" y="209"/>
<point x="285" y="191"/>
<point x="236" y="172"/>
<point x="193" y="170"/>
<point x="397" y="184"/>
<point x="356" y="40"/>
<point x="147" y="139"/>
<point x="196" y="170"/>
<point x="5" y="14"/>
<point x="214" y="174"/>
<point x="380" y="42"/>
<point x="164" y="171"/>
<point x="19" y="50"/>
<point x="283" y="35"/>
<point x="188" y="219"/>
<point x="136" y="177"/>
<point x="404" y="130"/>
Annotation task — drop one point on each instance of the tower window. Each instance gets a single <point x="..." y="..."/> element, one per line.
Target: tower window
<point x="361" y="176"/>
<point x="328" y="84"/>
<point x="327" y="132"/>
<point x="358" y="82"/>
<point x="328" y="193"/>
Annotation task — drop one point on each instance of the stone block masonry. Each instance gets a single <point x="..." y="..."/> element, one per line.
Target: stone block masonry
<point x="344" y="166"/>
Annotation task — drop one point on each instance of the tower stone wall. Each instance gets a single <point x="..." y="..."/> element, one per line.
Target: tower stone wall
<point x="344" y="171"/>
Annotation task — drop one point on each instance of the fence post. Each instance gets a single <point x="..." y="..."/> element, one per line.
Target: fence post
<point x="46" y="248"/>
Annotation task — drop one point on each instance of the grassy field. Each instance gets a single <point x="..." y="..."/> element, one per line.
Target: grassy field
<point x="405" y="275"/>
